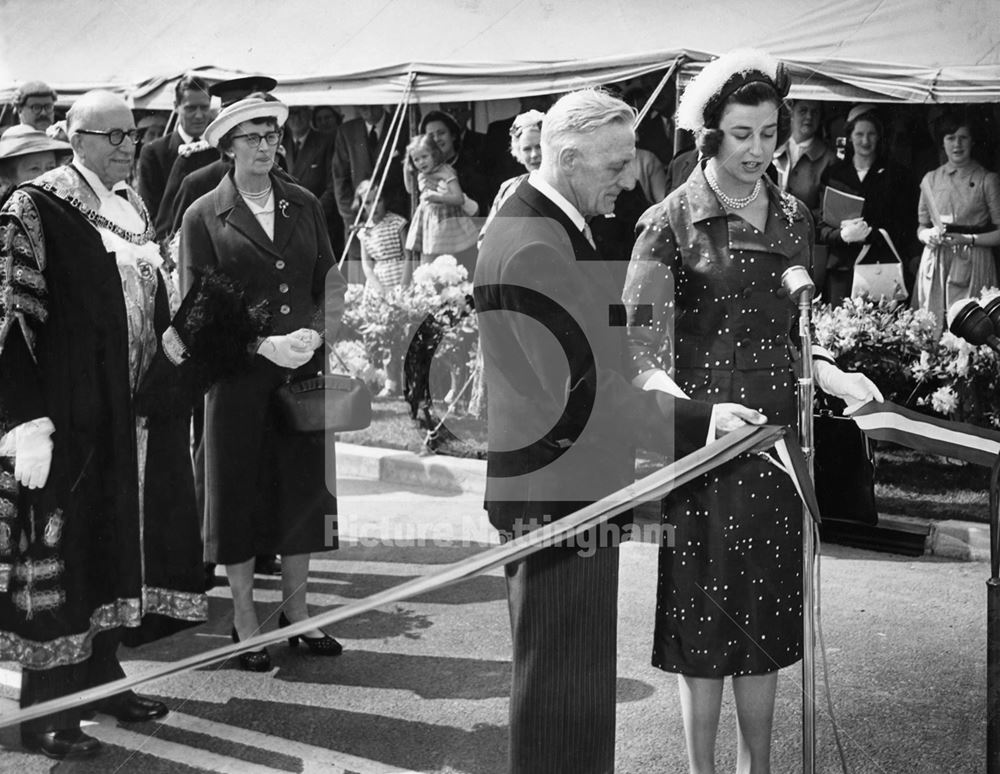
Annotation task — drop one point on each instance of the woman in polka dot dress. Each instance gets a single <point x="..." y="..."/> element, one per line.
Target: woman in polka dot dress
<point x="705" y="301"/>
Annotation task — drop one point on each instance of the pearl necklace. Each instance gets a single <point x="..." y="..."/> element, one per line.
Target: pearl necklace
<point x="259" y="196"/>
<point x="730" y="202"/>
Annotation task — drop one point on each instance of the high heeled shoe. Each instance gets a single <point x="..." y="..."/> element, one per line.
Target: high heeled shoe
<point x="322" y="646"/>
<point x="253" y="660"/>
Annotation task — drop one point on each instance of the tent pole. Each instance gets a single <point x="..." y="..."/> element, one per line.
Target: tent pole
<point x="656" y="92"/>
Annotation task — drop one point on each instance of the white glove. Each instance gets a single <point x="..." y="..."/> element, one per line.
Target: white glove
<point x="854" y="230"/>
<point x="33" y="452"/>
<point x="727" y="417"/>
<point x="288" y="351"/>
<point x="660" y="381"/>
<point x="855" y="389"/>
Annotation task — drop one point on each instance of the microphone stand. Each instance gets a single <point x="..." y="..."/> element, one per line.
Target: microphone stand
<point x="800" y="288"/>
<point x="978" y="326"/>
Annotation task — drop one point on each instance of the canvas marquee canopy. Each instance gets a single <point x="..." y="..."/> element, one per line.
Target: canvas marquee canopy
<point x="363" y="51"/>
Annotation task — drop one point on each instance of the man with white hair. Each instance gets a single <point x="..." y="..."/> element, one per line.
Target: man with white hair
<point x="99" y="539"/>
<point x="563" y="423"/>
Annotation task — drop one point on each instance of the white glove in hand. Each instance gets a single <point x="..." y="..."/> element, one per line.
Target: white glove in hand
<point x="727" y="417"/>
<point x="854" y="230"/>
<point x="288" y="351"/>
<point x="33" y="455"/>
<point x="660" y="381"/>
<point x="853" y="388"/>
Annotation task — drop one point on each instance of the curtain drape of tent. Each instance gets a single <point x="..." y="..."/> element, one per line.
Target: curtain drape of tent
<point x="360" y="53"/>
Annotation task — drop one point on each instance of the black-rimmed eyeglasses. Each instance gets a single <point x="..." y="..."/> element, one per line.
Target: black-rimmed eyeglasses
<point x="115" y="136"/>
<point x="38" y="109"/>
<point x="253" y="140"/>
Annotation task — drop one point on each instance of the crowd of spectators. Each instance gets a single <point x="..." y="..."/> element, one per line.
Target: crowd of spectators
<point x="877" y="152"/>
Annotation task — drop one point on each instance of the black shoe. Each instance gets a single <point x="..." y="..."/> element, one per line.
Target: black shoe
<point x="130" y="707"/>
<point x="61" y="744"/>
<point x="253" y="660"/>
<point x="267" y="564"/>
<point x="323" y="646"/>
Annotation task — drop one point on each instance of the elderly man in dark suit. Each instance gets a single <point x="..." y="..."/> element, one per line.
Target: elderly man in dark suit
<point x="563" y="423"/>
<point x="355" y="153"/>
<point x="182" y="147"/>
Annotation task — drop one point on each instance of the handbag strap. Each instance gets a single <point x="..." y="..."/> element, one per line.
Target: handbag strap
<point x="888" y="241"/>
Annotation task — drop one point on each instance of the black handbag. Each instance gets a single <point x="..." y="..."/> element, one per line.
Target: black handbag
<point x="325" y="403"/>
<point x="845" y="470"/>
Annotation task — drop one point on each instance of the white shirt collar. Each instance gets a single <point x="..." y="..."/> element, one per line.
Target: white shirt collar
<point x="803" y="146"/>
<point x="102" y="191"/>
<point x="187" y="138"/>
<point x="377" y="125"/>
<point x="550" y="193"/>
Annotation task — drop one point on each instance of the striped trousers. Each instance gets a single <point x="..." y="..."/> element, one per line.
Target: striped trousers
<point x="563" y="616"/>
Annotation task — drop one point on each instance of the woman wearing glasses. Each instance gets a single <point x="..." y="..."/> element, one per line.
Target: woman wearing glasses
<point x="265" y="487"/>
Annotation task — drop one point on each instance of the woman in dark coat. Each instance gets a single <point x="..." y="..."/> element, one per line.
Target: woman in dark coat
<point x="267" y="489"/>
<point x="890" y="196"/>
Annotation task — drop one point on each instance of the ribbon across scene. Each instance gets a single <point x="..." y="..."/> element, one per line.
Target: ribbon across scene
<point x="889" y="422"/>
<point x="652" y="487"/>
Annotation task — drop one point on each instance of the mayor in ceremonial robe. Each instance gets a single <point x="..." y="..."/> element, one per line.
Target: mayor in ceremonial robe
<point x="99" y="538"/>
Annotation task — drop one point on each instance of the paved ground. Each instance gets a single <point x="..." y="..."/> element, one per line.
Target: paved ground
<point x="422" y="686"/>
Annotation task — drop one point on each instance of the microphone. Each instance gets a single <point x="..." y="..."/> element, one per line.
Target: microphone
<point x="968" y="320"/>
<point x="800" y="287"/>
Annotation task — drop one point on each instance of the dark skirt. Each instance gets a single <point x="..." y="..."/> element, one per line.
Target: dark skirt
<point x="267" y="490"/>
<point x="729" y="592"/>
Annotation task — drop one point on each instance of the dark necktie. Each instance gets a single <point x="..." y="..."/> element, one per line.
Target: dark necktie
<point x="373" y="142"/>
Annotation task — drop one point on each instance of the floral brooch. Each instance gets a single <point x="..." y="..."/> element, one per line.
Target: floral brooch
<point x="790" y="208"/>
<point x="283" y="206"/>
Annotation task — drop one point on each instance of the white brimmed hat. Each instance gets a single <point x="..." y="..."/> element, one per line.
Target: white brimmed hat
<point x="249" y="109"/>
<point x="706" y="87"/>
<point x="22" y="139"/>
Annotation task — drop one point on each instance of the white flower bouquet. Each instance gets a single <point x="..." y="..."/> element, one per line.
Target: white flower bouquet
<point x="904" y="352"/>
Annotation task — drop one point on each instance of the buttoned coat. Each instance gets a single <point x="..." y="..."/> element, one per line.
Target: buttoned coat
<point x="268" y="490"/>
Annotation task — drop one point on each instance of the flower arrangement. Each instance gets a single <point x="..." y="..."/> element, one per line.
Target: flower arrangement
<point x="904" y="352"/>
<point x="436" y="303"/>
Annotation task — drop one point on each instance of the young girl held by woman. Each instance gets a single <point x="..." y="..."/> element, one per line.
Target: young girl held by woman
<point x="440" y="227"/>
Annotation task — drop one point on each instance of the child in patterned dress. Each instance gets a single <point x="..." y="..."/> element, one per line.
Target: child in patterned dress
<point x="384" y="259"/>
<point x="440" y="227"/>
